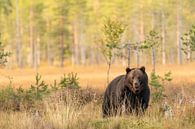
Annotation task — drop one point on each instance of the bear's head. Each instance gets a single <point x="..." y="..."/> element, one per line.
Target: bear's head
<point x="136" y="79"/>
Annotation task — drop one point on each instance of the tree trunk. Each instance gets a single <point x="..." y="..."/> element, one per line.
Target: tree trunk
<point x="62" y="49"/>
<point x="153" y="48"/>
<point x="141" y="33"/>
<point x="188" y="54"/>
<point x="82" y="42"/>
<point x="178" y="26"/>
<point x="75" y="48"/>
<point x="172" y="56"/>
<point x="18" y="37"/>
<point x="38" y="51"/>
<point x="83" y="54"/>
<point x="48" y="47"/>
<point x="163" y="37"/>
<point x="49" y="55"/>
<point x="108" y="71"/>
<point x="92" y="55"/>
<point x="35" y="65"/>
<point x="136" y="37"/>
<point x="62" y="42"/>
<point x="32" y="61"/>
<point x="98" y="57"/>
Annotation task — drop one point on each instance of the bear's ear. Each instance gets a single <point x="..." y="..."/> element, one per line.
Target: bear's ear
<point x="128" y="70"/>
<point x="142" y="69"/>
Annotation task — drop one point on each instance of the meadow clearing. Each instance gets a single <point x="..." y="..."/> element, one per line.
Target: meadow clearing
<point x="54" y="56"/>
<point x="82" y="109"/>
<point x="93" y="75"/>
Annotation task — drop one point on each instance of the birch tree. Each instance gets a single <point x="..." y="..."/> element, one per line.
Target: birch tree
<point x="189" y="43"/>
<point x="110" y="41"/>
<point x="18" y="37"/>
<point x="151" y="42"/>
<point x="178" y="31"/>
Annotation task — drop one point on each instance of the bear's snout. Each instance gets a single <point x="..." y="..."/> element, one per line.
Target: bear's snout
<point x="136" y="84"/>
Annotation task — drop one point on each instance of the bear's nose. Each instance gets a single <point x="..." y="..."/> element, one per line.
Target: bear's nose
<point x="136" y="85"/>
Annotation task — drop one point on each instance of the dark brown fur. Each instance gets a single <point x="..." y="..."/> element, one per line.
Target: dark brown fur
<point x="130" y="90"/>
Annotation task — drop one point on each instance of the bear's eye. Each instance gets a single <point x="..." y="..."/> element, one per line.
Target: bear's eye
<point x="141" y="82"/>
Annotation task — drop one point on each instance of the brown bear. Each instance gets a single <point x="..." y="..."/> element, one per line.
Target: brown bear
<point x="130" y="91"/>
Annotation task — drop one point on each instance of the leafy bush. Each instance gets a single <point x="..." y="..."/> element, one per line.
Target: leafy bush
<point x="69" y="81"/>
<point x="157" y="82"/>
<point x="8" y="98"/>
<point x="110" y="41"/>
<point x="38" y="90"/>
<point x="19" y="98"/>
<point x="189" y="42"/>
<point x="3" y="54"/>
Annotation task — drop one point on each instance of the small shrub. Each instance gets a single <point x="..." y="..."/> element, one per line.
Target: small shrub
<point x="7" y="98"/>
<point x="3" y="54"/>
<point x="19" y="98"/>
<point x="38" y="90"/>
<point x="69" y="81"/>
<point x="157" y="82"/>
<point x="54" y="86"/>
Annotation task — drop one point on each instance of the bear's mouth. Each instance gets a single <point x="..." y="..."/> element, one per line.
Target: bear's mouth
<point x="137" y="91"/>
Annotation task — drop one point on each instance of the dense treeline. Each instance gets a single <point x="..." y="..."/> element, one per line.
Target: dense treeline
<point x="55" y="31"/>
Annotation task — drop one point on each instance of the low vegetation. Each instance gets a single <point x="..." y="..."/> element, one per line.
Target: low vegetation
<point x="65" y="105"/>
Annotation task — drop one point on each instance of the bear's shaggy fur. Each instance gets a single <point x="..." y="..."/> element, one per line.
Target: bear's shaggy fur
<point x="130" y="91"/>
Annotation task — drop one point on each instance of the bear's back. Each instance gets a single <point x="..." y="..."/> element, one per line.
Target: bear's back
<point x="115" y="85"/>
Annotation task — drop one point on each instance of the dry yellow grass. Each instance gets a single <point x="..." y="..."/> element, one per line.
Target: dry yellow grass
<point x="91" y="76"/>
<point x="59" y="114"/>
<point x="56" y="113"/>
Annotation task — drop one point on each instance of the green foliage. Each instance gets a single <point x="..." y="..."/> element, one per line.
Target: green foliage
<point x="189" y="41"/>
<point x="6" y="94"/>
<point x="19" y="98"/>
<point x="9" y="98"/>
<point x="152" y="40"/>
<point x="54" y="86"/>
<point x="157" y="83"/>
<point x="69" y="81"/>
<point x="78" y="23"/>
<point x="5" y="6"/>
<point x="112" y="32"/>
<point x="38" y="90"/>
<point x="167" y="77"/>
<point x="38" y="10"/>
<point x="3" y="54"/>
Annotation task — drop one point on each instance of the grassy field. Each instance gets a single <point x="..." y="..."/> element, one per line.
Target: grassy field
<point x="82" y="109"/>
<point x="92" y="76"/>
